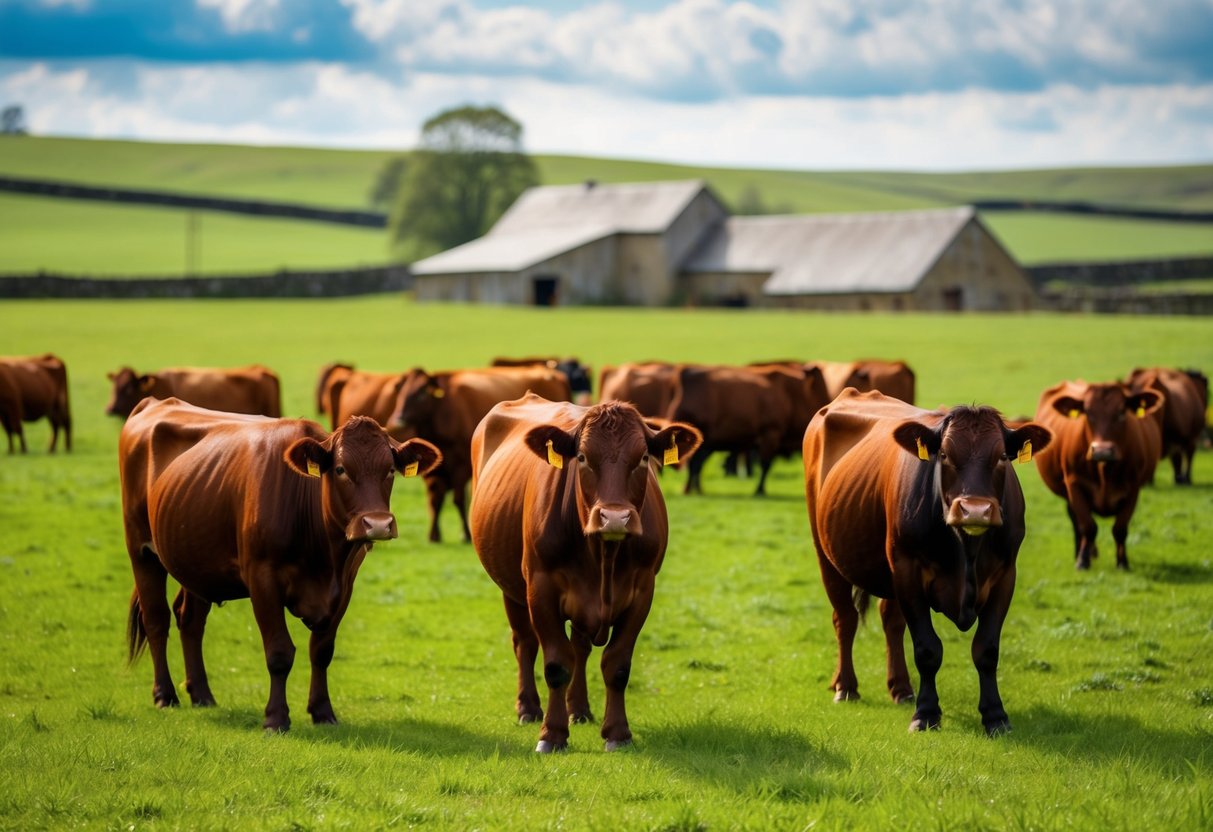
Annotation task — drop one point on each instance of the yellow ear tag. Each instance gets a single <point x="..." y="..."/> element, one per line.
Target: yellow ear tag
<point x="922" y="451"/>
<point x="1073" y="414"/>
<point x="671" y="453"/>
<point x="554" y="459"/>
<point x="438" y="393"/>
<point x="410" y="470"/>
<point x="1025" y="453"/>
<point x="313" y="470"/>
<point x="1141" y="411"/>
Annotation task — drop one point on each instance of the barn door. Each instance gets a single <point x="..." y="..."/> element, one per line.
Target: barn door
<point x="545" y="290"/>
<point x="953" y="299"/>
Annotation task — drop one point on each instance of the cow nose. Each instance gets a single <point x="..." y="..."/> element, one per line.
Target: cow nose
<point x="378" y="526"/>
<point x="614" y="523"/>
<point x="1102" y="452"/>
<point x="973" y="516"/>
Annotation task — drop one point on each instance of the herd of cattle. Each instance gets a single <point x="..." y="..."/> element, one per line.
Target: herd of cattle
<point x="921" y="508"/>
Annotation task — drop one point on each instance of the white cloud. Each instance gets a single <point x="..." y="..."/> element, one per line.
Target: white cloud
<point x="334" y="105"/>
<point x="242" y="16"/>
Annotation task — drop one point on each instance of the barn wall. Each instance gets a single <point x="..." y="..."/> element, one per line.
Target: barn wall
<point x="848" y="302"/>
<point x="724" y="288"/>
<point x="985" y="276"/>
<point x="644" y="274"/>
<point x="702" y="217"/>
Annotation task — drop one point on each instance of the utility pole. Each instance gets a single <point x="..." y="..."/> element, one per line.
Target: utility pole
<point x="191" y="243"/>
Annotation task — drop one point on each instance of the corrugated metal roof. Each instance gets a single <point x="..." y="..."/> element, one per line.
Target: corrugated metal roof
<point x="821" y="254"/>
<point x="550" y="220"/>
<point x="510" y="252"/>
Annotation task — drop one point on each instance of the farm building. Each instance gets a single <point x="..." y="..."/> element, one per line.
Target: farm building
<point x="675" y="242"/>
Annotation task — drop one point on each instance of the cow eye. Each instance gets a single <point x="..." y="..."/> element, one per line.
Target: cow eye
<point x="644" y="460"/>
<point x="581" y="458"/>
<point x="339" y="470"/>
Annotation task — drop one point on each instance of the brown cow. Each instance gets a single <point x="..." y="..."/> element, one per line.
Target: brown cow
<point x="1106" y="443"/>
<point x="893" y="378"/>
<point x="359" y="393"/>
<point x="253" y="390"/>
<point x="40" y="383"/>
<point x="739" y="408"/>
<point x="648" y="385"/>
<point x="568" y="520"/>
<point x="445" y="408"/>
<point x="329" y="375"/>
<point x="1181" y="419"/>
<point x="578" y="374"/>
<point x="922" y="509"/>
<point x="236" y="506"/>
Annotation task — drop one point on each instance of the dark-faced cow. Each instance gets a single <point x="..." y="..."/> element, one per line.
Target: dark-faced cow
<point x="1181" y="419"/>
<point x="649" y="386"/>
<point x="738" y="408"/>
<point x="923" y="510"/>
<point x="893" y="378"/>
<point x="445" y="408"/>
<point x="39" y="384"/>
<point x="578" y="374"/>
<point x="253" y="390"/>
<point x="568" y="520"/>
<point x="1106" y="443"/>
<point x="236" y="506"/>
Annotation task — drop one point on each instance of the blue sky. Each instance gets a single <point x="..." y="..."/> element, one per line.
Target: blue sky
<point x="817" y="84"/>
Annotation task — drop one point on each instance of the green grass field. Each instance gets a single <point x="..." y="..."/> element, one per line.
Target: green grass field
<point x="70" y="236"/>
<point x="1106" y="675"/>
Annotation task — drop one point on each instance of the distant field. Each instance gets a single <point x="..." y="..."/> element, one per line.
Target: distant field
<point x="1106" y="675"/>
<point x="59" y="238"/>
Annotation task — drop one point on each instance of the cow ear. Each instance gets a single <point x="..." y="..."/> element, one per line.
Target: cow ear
<point x="1144" y="403"/>
<point x="146" y="383"/>
<point x="1026" y="440"/>
<point x="1068" y="406"/>
<point x="308" y="458"/>
<point x="918" y="439"/>
<point x="550" y="443"/>
<point x="415" y="457"/>
<point x="111" y="375"/>
<point x="674" y="442"/>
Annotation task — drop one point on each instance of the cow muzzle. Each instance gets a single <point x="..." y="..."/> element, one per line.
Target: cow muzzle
<point x="1103" y="452"/>
<point x="378" y="525"/>
<point x="974" y="515"/>
<point x="613" y="523"/>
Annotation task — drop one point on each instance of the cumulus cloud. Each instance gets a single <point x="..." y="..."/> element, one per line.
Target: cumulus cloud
<point x="241" y="16"/>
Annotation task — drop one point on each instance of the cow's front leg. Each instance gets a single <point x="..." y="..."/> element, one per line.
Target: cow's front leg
<point x="578" y="698"/>
<point x="928" y="649"/>
<point x="985" y="653"/>
<point x="435" y="490"/>
<point x="279" y="653"/>
<point x="459" y="495"/>
<point x="1120" y="529"/>
<point x="543" y="601"/>
<point x="320" y="652"/>
<point x="617" y="667"/>
<point x="1084" y="528"/>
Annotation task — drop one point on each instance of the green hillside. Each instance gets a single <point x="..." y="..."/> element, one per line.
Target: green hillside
<point x="96" y="238"/>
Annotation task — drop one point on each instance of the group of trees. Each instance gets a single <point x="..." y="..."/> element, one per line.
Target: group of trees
<point x="468" y="168"/>
<point x="12" y="121"/>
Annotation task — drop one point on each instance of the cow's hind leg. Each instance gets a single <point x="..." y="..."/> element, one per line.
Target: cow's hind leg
<point x="435" y="488"/>
<point x="191" y="612"/>
<point x="846" y="622"/>
<point x="153" y="622"/>
<point x="898" y="675"/>
<point x="578" y="698"/>
<point x="526" y="650"/>
<point x="985" y="654"/>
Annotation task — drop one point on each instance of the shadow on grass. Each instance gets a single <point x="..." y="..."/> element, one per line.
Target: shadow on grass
<point x="1174" y="572"/>
<point x="1112" y="738"/>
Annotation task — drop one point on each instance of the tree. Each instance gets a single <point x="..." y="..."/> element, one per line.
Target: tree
<point x="469" y="168"/>
<point x="12" y="121"/>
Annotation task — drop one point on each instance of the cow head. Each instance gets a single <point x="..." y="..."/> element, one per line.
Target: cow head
<point x="611" y="450"/>
<point x="129" y="389"/>
<point x="417" y="399"/>
<point x="356" y="465"/>
<point x="1107" y="408"/>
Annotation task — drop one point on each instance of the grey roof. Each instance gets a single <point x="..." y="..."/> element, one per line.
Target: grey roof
<point x="829" y="253"/>
<point x="550" y="220"/>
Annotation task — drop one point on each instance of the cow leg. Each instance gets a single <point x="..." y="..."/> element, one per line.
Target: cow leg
<point x="526" y="649"/>
<point x="1085" y="530"/>
<point x="435" y="488"/>
<point x="191" y="612"/>
<point x="459" y="495"/>
<point x="985" y="653"/>
<point x="151" y="582"/>
<point x="558" y="661"/>
<point x="694" y="467"/>
<point x="617" y="667"/>
<point x="765" y="463"/>
<point x="578" y="697"/>
<point x="1120" y="529"/>
<point x="928" y="649"/>
<point x="846" y="622"/>
<point x="898" y="675"/>
<point x="279" y="653"/>
<point x="320" y="654"/>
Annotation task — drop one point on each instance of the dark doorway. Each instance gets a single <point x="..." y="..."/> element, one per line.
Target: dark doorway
<point x="545" y="290"/>
<point x="953" y="299"/>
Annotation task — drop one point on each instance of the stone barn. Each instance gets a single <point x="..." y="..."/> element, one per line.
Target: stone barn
<point x="663" y="243"/>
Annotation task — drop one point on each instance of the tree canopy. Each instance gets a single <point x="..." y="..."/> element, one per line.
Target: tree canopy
<point x="468" y="168"/>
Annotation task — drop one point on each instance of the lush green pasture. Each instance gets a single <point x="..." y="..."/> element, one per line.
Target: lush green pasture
<point x="99" y="239"/>
<point x="1106" y="675"/>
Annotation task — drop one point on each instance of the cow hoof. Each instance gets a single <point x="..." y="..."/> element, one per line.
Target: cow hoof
<point x="527" y="717"/>
<point x="167" y="701"/>
<point x="204" y="702"/>
<point x="922" y="724"/>
<point x="582" y="718"/>
<point x="903" y="698"/>
<point x="1002" y="726"/>
<point x="281" y="728"/>
<point x="618" y="745"/>
<point x="846" y="695"/>
<point x="545" y="747"/>
<point x="324" y="719"/>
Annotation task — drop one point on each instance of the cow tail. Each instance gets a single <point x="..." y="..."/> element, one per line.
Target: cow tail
<point x="861" y="599"/>
<point x="136" y="636"/>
